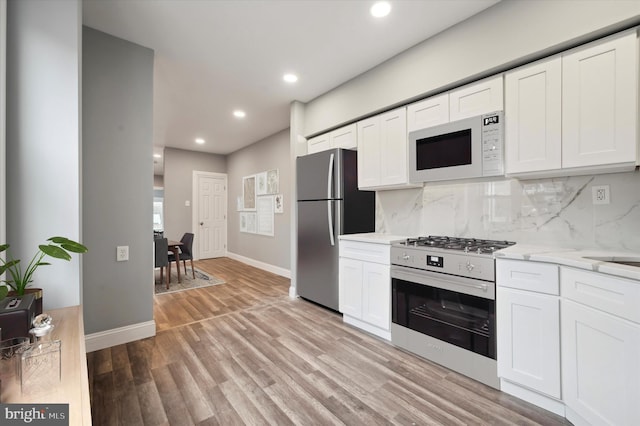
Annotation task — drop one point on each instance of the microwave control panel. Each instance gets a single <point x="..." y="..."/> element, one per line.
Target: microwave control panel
<point x="493" y="144"/>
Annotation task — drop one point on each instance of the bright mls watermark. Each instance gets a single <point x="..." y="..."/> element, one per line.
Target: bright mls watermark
<point x="35" y="414"/>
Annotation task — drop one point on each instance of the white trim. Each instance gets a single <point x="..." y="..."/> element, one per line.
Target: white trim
<point x="258" y="264"/>
<point x="293" y="292"/>
<point x="118" y="336"/>
<point x="194" y="206"/>
<point x="376" y="331"/>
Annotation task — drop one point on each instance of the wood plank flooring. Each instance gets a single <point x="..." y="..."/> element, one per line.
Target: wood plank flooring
<point x="244" y="353"/>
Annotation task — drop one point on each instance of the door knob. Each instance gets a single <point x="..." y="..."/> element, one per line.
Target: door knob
<point x="201" y="223"/>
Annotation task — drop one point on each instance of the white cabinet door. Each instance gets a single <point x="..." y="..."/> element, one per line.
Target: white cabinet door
<point x="599" y="103"/>
<point x="319" y="143"/>
<point x="369" y="152"/>
<point x="382" y="151"/>
<point x="350" y="285"/>
<point x="533" y="117"/>
<point x="600" y="367"/>
<point x="528" y="331"/>
<point x="393" y="147"/>
<point x="344" y="137"/>
<point x="476" y="99"/>
<point x="427" y="113"/>
<point x="376" y="295"/>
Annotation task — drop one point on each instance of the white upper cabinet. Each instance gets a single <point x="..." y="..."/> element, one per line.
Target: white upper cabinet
<point x="382" y="151"/>
<point x="344" y="137"/>
<point x="318" y="143"/>
<point x="369" y="152"/>
<point x="600" y="107"/>
<point x="533" y="124"/>
<point x="427" y="113"/>
<point x="575" y="113"/>
<point x="477" y="98"/>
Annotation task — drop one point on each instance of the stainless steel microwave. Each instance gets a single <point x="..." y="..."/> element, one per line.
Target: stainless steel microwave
<point x="463" y="149"/>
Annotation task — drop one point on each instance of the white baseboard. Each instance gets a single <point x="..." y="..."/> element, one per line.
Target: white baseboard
<point x="118" y="336"/>
<point x="264" y="266"/>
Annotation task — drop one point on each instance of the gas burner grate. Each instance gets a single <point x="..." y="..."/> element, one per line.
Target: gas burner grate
<point x="468" y="245"/>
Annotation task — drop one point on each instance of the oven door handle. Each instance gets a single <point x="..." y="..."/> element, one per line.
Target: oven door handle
<point x="446" y="282"/>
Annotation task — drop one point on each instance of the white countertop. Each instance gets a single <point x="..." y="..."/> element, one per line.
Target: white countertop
<point x="373" y="237"/>
<point x="575" y="258"/>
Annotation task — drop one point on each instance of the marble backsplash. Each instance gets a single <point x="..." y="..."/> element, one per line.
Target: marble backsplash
<point x="552" y="212"/>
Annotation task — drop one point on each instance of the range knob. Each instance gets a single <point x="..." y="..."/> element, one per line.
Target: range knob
<point x="405" y="256"/>
<point x="470" y="266"/>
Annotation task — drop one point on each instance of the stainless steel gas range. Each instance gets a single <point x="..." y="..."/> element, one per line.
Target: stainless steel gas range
<point x="444" y="303"/>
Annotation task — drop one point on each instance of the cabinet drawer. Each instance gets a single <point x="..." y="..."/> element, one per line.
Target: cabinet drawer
<point x="531" y="276"/>
<point x="607" y="293"/>
<point x="369" y="252"/>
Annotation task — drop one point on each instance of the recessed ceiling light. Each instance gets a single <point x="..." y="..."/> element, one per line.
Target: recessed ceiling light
<point x="290" y="78"/>
<point x="199" y="141"/>
<point x="157" y="156"/>
<point x="380" y="9"/>
<point x="239" y="113"/>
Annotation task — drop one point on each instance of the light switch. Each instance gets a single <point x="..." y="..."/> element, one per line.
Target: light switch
<point x="187" y="203"/>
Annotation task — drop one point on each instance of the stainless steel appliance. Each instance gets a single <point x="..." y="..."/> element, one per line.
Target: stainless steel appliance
<point x="329" y="204"/>
<point x="444" y="303"/>
<point x="463" y="149"/>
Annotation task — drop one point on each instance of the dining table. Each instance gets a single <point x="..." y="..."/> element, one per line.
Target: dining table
<point x="174" y="246"/>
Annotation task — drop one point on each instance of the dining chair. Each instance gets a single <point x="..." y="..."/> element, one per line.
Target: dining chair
<point x="186" y="253"/>
<point x="162" y="258"/>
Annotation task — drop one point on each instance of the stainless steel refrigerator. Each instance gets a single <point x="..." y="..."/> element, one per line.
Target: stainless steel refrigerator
<point x="329" y="204"/>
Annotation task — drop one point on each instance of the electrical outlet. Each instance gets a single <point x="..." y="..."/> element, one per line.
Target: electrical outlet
<point x="122" y="253"/>
<point x="601" y="194"/>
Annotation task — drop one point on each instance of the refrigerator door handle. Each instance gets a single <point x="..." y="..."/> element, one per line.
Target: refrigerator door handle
<point x="329" y="196"/>
<point x="329" y="176"/>
<point x="330" y="221"/>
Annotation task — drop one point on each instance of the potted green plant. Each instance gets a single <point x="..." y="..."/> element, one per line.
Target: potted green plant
<point x="18" y="279"/>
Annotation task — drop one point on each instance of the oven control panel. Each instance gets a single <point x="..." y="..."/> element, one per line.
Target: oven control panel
<point x="437" y="261"/>
<point x="461" y="264"/>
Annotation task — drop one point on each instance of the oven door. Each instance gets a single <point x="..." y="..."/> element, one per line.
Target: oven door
<point x="453" y="309"/>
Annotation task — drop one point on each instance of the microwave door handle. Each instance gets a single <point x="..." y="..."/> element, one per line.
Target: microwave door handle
<point x="329" y="201"/>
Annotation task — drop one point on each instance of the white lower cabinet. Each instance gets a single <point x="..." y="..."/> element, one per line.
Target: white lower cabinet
<point x="600" y="349"/>
<point x="351" y="278"/>
<point x="365" y="286"/>
<point x="376" y="294"/>
<point x="528" y="332"/>
<point x="529" y="340"/>
<point x="569" y="341"/>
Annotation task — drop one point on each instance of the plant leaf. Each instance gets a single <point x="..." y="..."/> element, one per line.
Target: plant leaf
<point x="58" y="240"/>
<point x="55" y="251"/>
<point x="3" y="291"/>
<point x="74" y="247"/>
<point x="4" y="247"/>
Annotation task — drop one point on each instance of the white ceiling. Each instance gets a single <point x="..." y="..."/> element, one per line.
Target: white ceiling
<point x="214" y="56"/>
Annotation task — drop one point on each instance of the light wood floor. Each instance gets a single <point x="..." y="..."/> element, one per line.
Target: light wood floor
<point x="244" y="353"/>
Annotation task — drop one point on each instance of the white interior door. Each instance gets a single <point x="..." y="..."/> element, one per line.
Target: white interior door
<point x="210" y="214"/>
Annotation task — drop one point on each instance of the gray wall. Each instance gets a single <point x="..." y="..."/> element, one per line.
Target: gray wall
<point x="117" y="181"/>
<point x="43" y="138"/>
<point x="3" y="80"/>
<point x="179" y="166"/>
<point x="267" y="154"/>
<point x="500" y="37"/>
